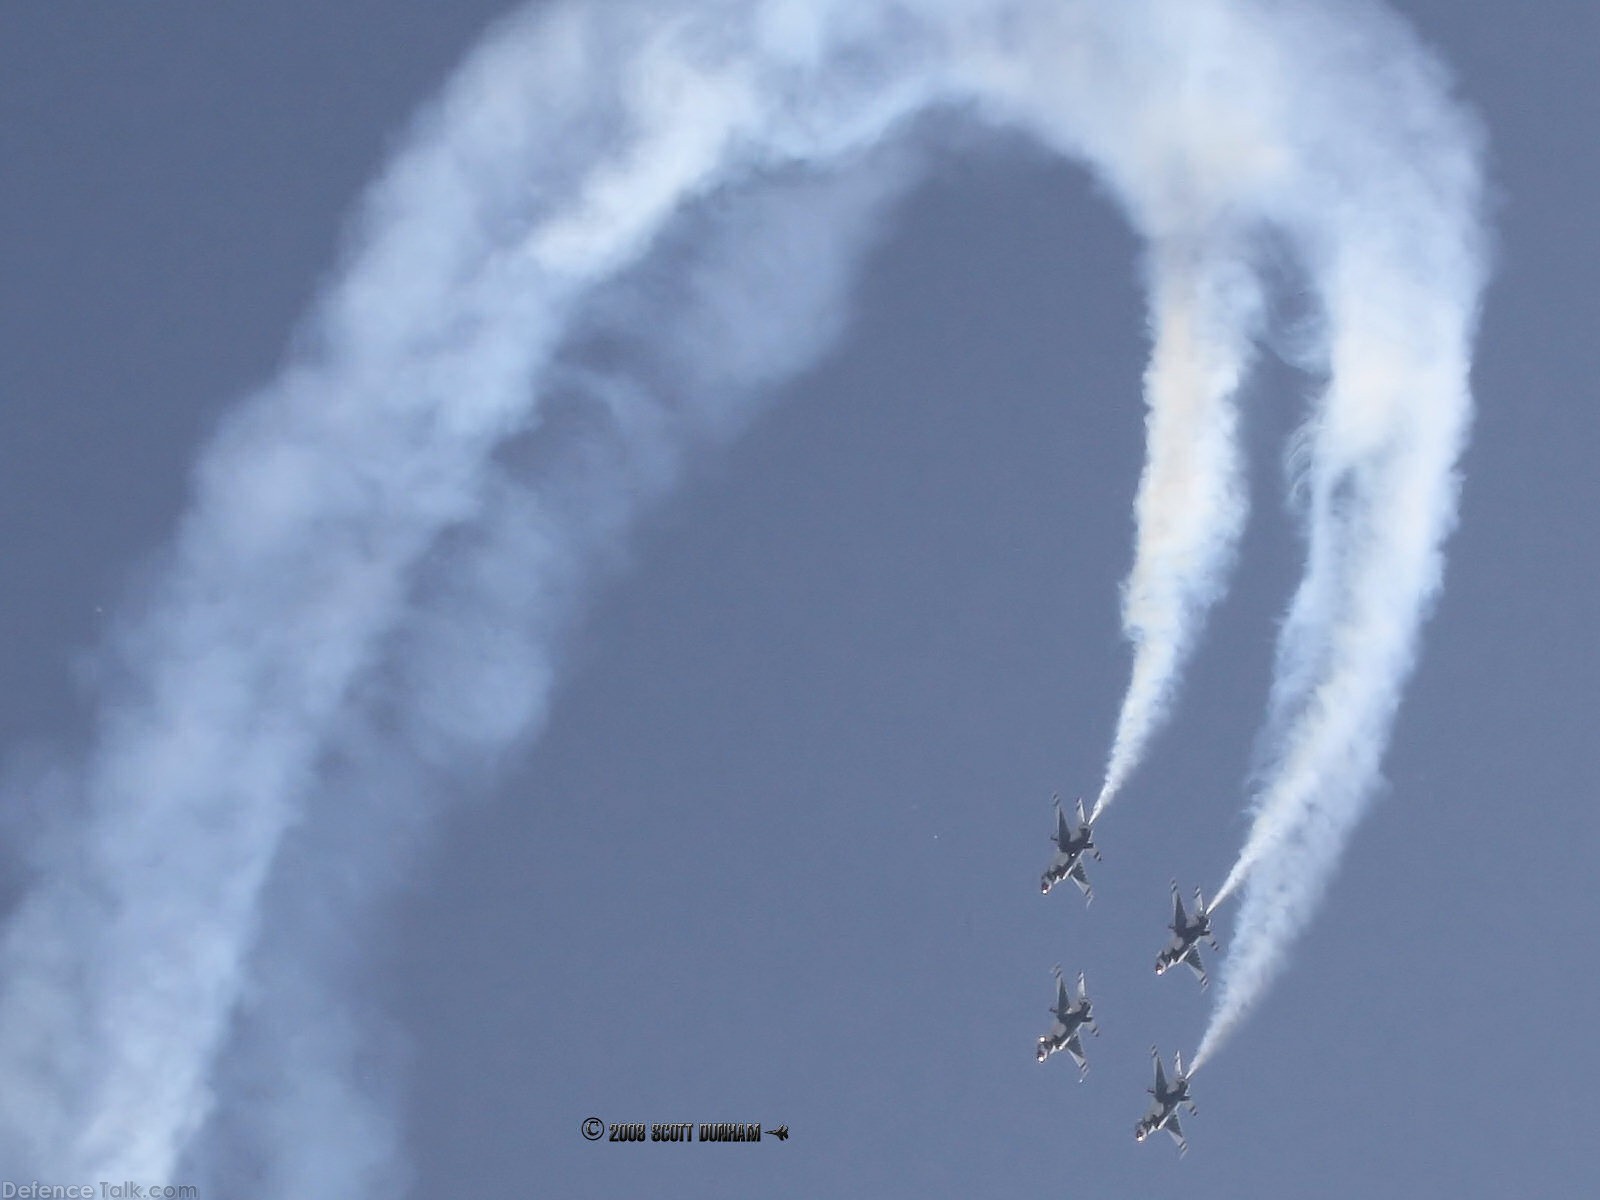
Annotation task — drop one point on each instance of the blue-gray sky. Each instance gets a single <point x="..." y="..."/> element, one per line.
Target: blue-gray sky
<point x="774" y="857"/>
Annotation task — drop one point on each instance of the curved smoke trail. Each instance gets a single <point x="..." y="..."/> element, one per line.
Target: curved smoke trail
<point x="1400" y="306"/>
<point x="1191" y="504"/>
<point x="299" y="642"/>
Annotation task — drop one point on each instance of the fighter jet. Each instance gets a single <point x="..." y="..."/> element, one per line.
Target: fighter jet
<point x="1163" y="1112"/>
<point x="1070" y="848"/>
<point x="1071" y="1016"/>
<point x="1185" y="934"/>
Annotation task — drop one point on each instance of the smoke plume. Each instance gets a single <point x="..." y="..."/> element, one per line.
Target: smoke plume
<point x="1191" y="503"/>
<point x="618" y="225"/>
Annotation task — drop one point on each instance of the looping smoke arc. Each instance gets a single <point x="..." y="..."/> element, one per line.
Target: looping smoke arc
<point x="618" y="225"/>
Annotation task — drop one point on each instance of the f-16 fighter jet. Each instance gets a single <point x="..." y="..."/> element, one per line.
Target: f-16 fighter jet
<point x="1163" y="1112"/>
<point x="1070" y="848"/>
<point x="1071" y="1016"/>
<point x="1185" y="934"/>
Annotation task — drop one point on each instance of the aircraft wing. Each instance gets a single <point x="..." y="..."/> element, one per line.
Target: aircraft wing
<point x="1063" y="997"/>
<point x="1161" y="1076"/>
<point x="1075" y="1048"/>
<point x="1063" y="830"/>
<point x="1192" y="957"/>
<point x="1176" y="1131"/>
<point x="1180" y="919"/>
<point x="1079" y="877"/>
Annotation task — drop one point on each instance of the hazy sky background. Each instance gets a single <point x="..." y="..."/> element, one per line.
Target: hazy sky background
<point x="776" y="856"/>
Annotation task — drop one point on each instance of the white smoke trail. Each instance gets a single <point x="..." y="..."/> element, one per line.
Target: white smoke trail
<point x="121" y="968"/>
<point x="472" y="669"/>
<point x="1400" y="295"/>
<point x="1385" y="510"/>
<point x="1191" y="503"/>
<point x="298" y="643"/>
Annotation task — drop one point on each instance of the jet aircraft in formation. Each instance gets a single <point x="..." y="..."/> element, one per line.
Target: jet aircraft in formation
<point x="1163" y="1112"/>
<point x="1071" y="846"/>
<point x="1071" y="1016"/>
<point x="1186" y="934"/>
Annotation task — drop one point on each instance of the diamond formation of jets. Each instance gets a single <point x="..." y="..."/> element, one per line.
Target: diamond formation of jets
<point x="1071" y="1016"/>
<point x="1167" y="1097"/>
<point x="1071" y="846"/>
<point x="1186" y="934"/>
